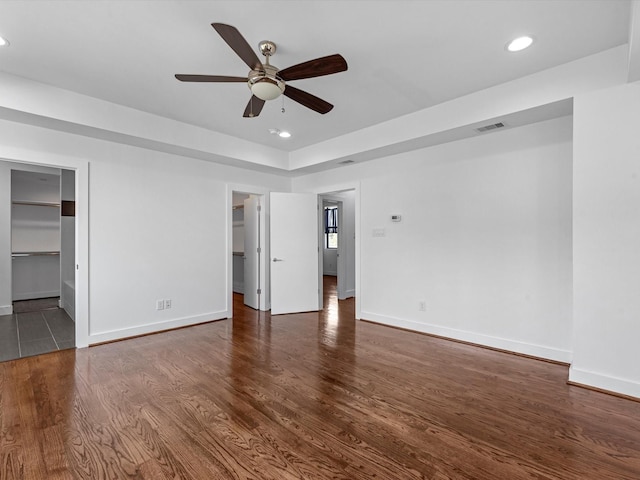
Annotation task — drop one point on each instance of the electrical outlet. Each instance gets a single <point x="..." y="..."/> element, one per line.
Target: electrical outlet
<point x="422" y="306"/>
<point x="167" y="303"/>
<point x="159" y="304"/>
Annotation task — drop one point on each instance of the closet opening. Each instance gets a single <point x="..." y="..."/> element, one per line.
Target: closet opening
<point x="248" y="276"/>
<point x="41" y="222"/>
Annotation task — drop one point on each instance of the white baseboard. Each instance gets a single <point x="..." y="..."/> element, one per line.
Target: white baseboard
<point x="604" y="382"/>
<point x="121" y="334"/>
<point x="515" y="346"/>
<point x="6" y="309"/>
<point x="35" y="295"/>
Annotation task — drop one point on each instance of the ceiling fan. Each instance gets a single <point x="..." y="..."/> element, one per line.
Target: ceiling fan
<point x="267" y="82"/>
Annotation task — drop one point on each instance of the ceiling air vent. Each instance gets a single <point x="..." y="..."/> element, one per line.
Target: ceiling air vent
<point x="345" y="162"/>
<point x="493" y="126"/>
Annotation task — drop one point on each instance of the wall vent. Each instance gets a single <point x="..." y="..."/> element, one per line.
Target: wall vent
<point x="493" y="126"/>
<point x="345" y="162"/>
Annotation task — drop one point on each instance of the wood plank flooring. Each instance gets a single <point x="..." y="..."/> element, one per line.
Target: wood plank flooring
<point x="306" y="396"/>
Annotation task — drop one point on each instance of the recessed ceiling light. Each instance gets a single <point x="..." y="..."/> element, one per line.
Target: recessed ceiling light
<point x="520" y="43"/>
<point x="280" y="133"/>
<point x="4" y="42"/>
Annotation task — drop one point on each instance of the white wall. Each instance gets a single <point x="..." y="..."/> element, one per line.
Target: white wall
<point x="238" y="243"/>
<point x="348" y="238"/>
<point x="158" y="230"/>
<point x="238" y="229"/>
<point x="485" y="238"/>
<point x="5" y="239"/>
<point x="35" y="185"/>
<point x="67" y="245"/>
<point x="35" y="229"/>
<point x="330" y="261"/>
<point x="35" y="277"/>
<point x="606" y="246"/>
<point x="24" y="188"/>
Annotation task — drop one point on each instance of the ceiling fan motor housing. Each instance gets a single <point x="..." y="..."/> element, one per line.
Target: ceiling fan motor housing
<point x="267" y="48"/>
<point x="266" y="85"/>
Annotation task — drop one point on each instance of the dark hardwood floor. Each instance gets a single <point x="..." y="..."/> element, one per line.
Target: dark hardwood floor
<point x="315" y="396"/>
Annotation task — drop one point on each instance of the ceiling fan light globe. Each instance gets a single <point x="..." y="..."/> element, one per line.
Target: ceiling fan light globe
<point x="267" y="88"/>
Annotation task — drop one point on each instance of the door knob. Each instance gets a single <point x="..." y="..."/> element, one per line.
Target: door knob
<point x="277" y="259"/>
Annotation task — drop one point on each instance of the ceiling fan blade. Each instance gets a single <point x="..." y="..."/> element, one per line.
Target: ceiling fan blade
<point x="254" y="107"/>
<point x="314" y="68"/>
<point x="308" y="100"/>
<point x="238" y="44"/>
<point x="209" y="78"/>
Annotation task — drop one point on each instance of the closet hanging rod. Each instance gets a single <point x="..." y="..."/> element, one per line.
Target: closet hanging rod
<point x="37" y="204"/>
<point x="34" y="254"/>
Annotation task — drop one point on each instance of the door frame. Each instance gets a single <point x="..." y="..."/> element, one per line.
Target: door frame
<point x="326" y="191"/>
<point x="265" y="272"/>
<point x="81" y="169"/>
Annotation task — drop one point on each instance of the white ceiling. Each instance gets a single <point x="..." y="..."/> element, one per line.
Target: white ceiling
<point x="403" y="56"/>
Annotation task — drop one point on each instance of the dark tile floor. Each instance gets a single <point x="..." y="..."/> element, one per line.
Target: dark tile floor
<point x="32" y="333"/>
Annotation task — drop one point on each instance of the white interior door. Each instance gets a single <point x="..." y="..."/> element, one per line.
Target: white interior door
<point x="252" y="252"/>
<point x="340" y="256"/>
<point x="294" y="252"/>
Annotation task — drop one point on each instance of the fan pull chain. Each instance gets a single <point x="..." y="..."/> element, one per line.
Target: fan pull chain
<point x="282" y="109"/>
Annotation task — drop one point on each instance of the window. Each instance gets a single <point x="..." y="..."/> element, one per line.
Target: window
<point x="331" y="227"/>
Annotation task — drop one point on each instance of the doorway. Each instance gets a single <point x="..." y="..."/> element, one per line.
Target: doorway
<point x="248" y="239"/>
<point x="42" y="249"/>
<point x="80" y="249"/>
<point x="338" y="240"/>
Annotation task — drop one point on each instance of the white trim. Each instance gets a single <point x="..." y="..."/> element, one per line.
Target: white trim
<point x="516" y="346"/>
<point x="81" y="168"/>
<point x="36" y="295"/>
<point x="604" y="382"/>
<point x="6" y="309"/>
<point x="155" y="327"/>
